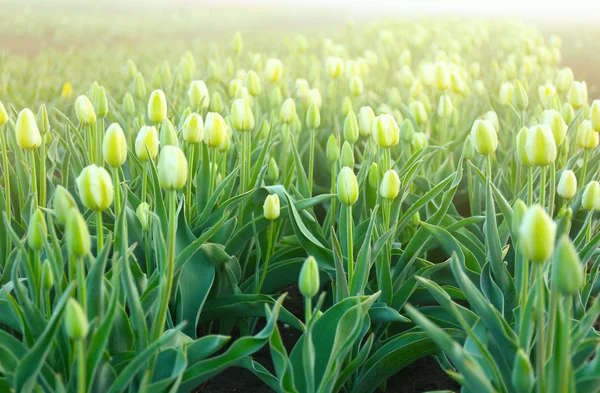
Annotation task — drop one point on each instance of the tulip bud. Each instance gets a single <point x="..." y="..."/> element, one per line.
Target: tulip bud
<point x="147" y="138"/>
<point x="407" y="131"/>
<point x="351" y="128"/>
<point x="216" y="129"/>
<point x="567" y="185"/>
<point x="347" y="186"/>
<point x="274" y="70"/>
<point x="335" y="67"/>
<point x="484" y="137"/>
<point x="237" y="43"/>
<point x="42" y="120"/>
<point x="47" y="276"/>
<point x="168" y="134"/>
<point x="540" y="146"/>
<point x="101" y="102"/>
<point x="172" y="168"/>
<point x="37" y="230"/>
<point x="468" y="149"/>
<point x="272" y="170"/>
<point x="332" y="149"/>
<point x="595" y="115"/>
<point x="564" y="79"/>
<point x="578" y="95"/>
<point x="308" y="282"/>
<point x="3" y="115"/>
<point x="406" y="76"/>
<point x="275" y="95"/>
<point x="590" y="199"/>
<point x="76" y="323"/>
<point x="416" y="88"/>
<point x="128" y="104"/>
<point x="366" y="117"/>
<point x="114" y="146"/>
<point x="193" y="128"/>
<point x="442" y="77"/>
<point x="85" y="110"/>
<point x="242" y="116"/>
<point x="405" y="57"/>
<point x="445" y="106"/>
<point x="586" y="137"/>
<point x="505" y="96"/>
<point x="492" y="117"/>
<point x="521" y="143"/>
<point x="63" y="203"/>
<point x="418" y="111"/>
<point x="347" y="157"/>
<point x="537" y="234"/>
<point x="356" y="86"/>
<point x="67" y="90"/>
<point x="95" y="188"/>
<point x="390" y="185"/>
<point x="545" y="92"/>
<point x="567" y="270"/>
<point x="287" y="113"/>
<point x="252" y="82"/>
<point x="313" y="117"/>
<point x="27" y="132"/>
<point x="157" y="107"/>
<point x="522" y="374"/>
<point x="373" y="175"/>
<point x="271" y="208"/>
<point x="385" y="131"/>
<point x="419" y="141"/>
<point x="139" y="86"/>
<point x="520" y="99"/>
<point x="554" y="120"/>
<point x="198" y="95"/>
<point x="143" y="212"/>
<point x="519" y="210"/>
<point x="77" y="234"/>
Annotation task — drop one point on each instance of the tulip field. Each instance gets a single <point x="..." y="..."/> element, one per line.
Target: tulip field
<point x="315" y="212"/>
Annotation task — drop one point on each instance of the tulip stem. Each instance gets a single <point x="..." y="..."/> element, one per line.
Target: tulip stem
<point x="489" y="166"/>
<point x="117" y="192"/>
<point x="552" y="319"/>
<point x="188" y="190"/>
<point x="267" y="257"/>
<point x="541" y="340"/>
<point x="80" y="266"/>
<point x="529" y="186"/>
<point x="80" y="344"/>
<point x="144" y="180"/>
<point x="307" y="309"/>
<point x="42" y="197"/>
<point x="311" y="163"/>
<point x="6" y="173"/>
<point x="584" y="167"/>
<point x="99" y="231"/>
<point x="349" y="225"/>
<point x="333" y="191"/>
<point x="33" y="177"/>
<point x="552" y="191"/>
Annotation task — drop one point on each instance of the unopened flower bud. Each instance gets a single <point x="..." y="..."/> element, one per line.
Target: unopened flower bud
<point x="216" y="103"/>
<point x="63" y="203"/>
<point x="567" y="185"/>
<point x="351" y="128"/>
<point x="445" y="106"/>
<point x="3" y="115"/>
<point x="374" y="175"/>
<point x="242" y="116"/>
<point x="578" y="95"/>
<point x="505" y="96"/>
<point x="347" y="157"/>
<point x="308" y="282"/>
<point x="407" y="131"/>
<point x="468" y="149"/>
<point x="332" y="149"/>
<point x="37" y="230"/>
<point x="520" y="99"/>
<point x="287" y="113"/>
<point x="390" y="185"/>
<point x="540" y="146"/>
<point x="252" y="82"/>
<point x="157" y="107"/>
<point x="27" y="131"/>
<point x="147" y="138"/>
<point x="272" y="170"/>
<point x="271" y="207"/>
<point x="335" y="67"/>
<point x="139" y="86"/>
<point x="274" y="70"/>
<point x="346" y="106"/>
<point x="42" y="120"/>
<point x="313" y="117"/>
<point x="590" y="200"/>
<point x="237" y="43"/>
<point x="215" y="129"/>
<point x="101" y="102"/>
<point x="114" y="146"/>
<point x="567" y="269"/>
<point x="198" y="95"/>
<point x="47" y="276"/>
<point x="366" y="117"/>
<point x="347" y="186"/>
<point x="595" y="115"/>
<point x="554" y="120"/>
<point x="85" y="110"/>
<point x="172" y="168"/>
<point x="77" y="234"/>
<point x="143" y="214"/>
<point x="128" y="104"/>
<point x="76" y="322"/>
<point x="385" y="131"/>
<point x="356" y="86"/>
<point x="519" y="210"/>
<point x="537" y="234"/>
<point x="418" y="111"/>
<point x="419" y="141"/>
<point x="564" y="79"/>
<point x="442" y="76"/>
<point x="168" y="134"/>
<point x="484" y="137"/>
<point x="193" y="128"/>
<point x="522" y="377"/>
<point x="95" y="188"/>
<point x="586" y="137"/>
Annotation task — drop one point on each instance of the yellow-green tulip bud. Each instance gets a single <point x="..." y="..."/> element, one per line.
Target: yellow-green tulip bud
<point x="308" y="282"/>
<point x="351" y="128"/>
<point x="313" y="117"/>
<point x="165" y="73"/>
<point x="271" y="207"/>
<point x="139" y="86"/>
<point x="78" y="235"/>
<point x="147" y="138"/>
<point x="390" y="185"/>
<point x="27" y="131"/>
<point x="143" y="214"/>
<point x="76" y="322"/>
<point x="519" y="211"/>
<point x="445" y="106"/>
<point x="216" y="103"/>
<point x="3" y="115"/>
<point x="157" y="79"/>
<point x="168" y="134"/>
<point x="114" y="146"/>
<point x="537" y="234"/>
<point x="275" y="96"/>
<point x="564" y="79"/>
<point x="37" y="230"/>
<point x="335" y="67"/>
<point x="567" y="185"/>
<point x="418" y="111"/>
<point x="241" y="115"/>
<point x="520" y="99"/>
<point x="492" y="117"/>
<point x="346" y="106"/>
<point x="545" y="92"/>
<point x="272" y="170"/>
<point x="405" y="57"/>
<point x="95" y="188"/>
<point x="374" y="175"/>
<point x="332" y="149"/>
<point x="63" y="203"/>
<point x="419" y="141"/>
<point x="301" y="43"/>
<point x="578" y="94"/>
<point x="128" y="104"/>
<point x="590" y="200"/>
<point x="427" y="74"/>
<point x="522" y="377"/>
<point x="416" y="88"/>
<point x="274" y="70"/>
<point x="424" y="99"/>
<point x="595" y="115"/>
<point x="216" y="129"/>
<point x="567" y="270"/>
<point x="385" y="131"/>
<point x="101" y="102"/>
<point x="315" y="97"/>
<point x="85" y="110"/>
<point x="233" y="87"/>
<point x="366" y="117"/>
<point x="42" y="120"/>
<point x="198" y="95"/>
<point x="252" y="82"/>
<point x="586" y="137"/>
<point x="485" y="139"/>
<point x="193" y="128"/>
<point x="172" y="168"/>
<point x="287" y="113"/>
<point x="157" y="107"/>
<point x="407" y="131"/>
<point x="237" y="43"/>
<point x="442" y="76"/>
<point x="567" y="112"/>
<point x="347" y="186"/>
<point x="468" y="149"/>
<point x="521" y="143"/>
<point x="347" y="157"/>
<point x="554" y="120"/>
<point x="505" y="96"/>
<point x="540" y="146"/>
<point x="356" y="86"/>
<point x="406" y="76"/>
<point x="47" y="276"/>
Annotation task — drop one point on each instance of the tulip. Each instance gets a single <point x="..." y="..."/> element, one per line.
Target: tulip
<point x="76" y="323"/>
<point x="274" y="70"/>
<point x="366" y="117"/>
<point x="77" y="234"/>
<point x="540" y="146"/>
<point x="85" y="110"/>
<point x="385" y="131"/>
<point x="242" y="116"/>
<point x="95" y="188"/>
<point x="419" y="141"/>
<point x="567" y="185"/>
<point x="193" y="128"/>
<point x="351" y="128"/>
<point x="114" y="146"/>
<point x="146" y="143"/>
<point x="347" y="186"/>
<point x="308" y="282"/>
<point x="37" y="231"/>
<point x="537" y="234"/>
<point x="595" y="115"/>
<point x="172" y="168"/>
<point x="484" y="137"/>
<point x="390" y="185"/>
<point x="198" y="95"/>
<point x="567" y="271"/>
<point x="27" y="131"/>
<point x="586" y="138"/>
<point x="554" y="120"/>
<point x="590" y="200"/>
<point x="578" y="95"/>
<point x="335" y="67"/>
<point x="216" y="129"/>
<point x="157" y="107"/>
<point x="271" y="207"/>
